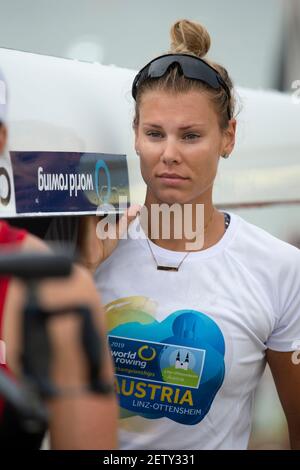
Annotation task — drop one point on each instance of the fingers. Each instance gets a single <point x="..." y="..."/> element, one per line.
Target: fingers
<point x="88" y="241"/>
<point x="99" y="237"/>
<point x="88" y="225"/>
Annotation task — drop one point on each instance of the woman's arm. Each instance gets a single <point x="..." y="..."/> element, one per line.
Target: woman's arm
<point x="286" y="373"/>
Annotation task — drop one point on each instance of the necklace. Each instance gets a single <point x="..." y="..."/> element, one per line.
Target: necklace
<point x="161" y="267"/>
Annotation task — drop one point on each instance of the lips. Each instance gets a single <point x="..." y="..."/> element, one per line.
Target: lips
<point x="172" y="179"/>
<point x="172" y="176"/>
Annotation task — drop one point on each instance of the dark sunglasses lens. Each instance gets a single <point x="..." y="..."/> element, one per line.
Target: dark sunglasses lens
<point x="159" y="67"/>
<point x="191" y="68"/>
<point x="197" y="70"/>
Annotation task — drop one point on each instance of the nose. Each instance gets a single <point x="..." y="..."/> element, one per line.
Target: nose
<point x="170" y="153"/>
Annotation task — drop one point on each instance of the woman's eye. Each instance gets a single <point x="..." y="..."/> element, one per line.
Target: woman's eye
<point x="153" y="134"/>
<point x="191" y="136"/>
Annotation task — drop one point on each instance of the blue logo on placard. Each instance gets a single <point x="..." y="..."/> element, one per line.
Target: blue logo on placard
<point x="101" y="165"/>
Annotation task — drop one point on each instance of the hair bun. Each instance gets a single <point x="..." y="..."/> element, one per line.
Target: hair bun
<point x="189" y="37"/>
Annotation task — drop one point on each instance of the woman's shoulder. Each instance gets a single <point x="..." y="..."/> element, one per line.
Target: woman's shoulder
<point x="255" y="241"/>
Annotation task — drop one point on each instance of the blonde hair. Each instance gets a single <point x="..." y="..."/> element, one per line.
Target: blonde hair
<point x="189" y="37"/>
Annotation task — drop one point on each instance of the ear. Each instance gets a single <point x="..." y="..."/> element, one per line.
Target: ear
<point x="136" y="139"/>
<point x="3" y="137"/>
<point x="229" y="137"/>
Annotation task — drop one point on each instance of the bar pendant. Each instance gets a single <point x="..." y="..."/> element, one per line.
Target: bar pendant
<point x="167" y="268"/>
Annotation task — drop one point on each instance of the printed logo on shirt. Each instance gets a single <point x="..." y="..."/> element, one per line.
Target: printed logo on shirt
<point x="159" y="362"/>
<point x="171" y="369"/>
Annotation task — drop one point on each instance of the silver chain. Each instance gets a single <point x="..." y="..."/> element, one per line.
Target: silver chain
<point x="163" y="267"/>
<point x="176" y="268"/>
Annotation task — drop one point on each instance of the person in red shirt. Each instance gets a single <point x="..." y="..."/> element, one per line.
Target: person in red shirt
<point x="12" y="238"/>
<point x="83" y="420"/>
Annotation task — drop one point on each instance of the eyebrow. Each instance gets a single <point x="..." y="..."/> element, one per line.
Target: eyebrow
<point x="157" y="126"/>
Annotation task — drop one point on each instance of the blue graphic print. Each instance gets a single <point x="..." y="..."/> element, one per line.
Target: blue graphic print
<point x="171" y="369"/>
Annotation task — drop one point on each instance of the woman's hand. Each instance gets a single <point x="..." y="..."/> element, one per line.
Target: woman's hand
<point x="93" y="246"/>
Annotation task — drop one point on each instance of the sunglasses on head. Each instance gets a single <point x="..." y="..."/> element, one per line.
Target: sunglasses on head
<point x="191" y="67"/>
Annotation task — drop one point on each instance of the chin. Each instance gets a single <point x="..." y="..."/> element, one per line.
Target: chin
<point x="164" y="198"/>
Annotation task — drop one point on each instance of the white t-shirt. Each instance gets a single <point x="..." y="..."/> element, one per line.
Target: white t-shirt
<point x="189" y="346"/>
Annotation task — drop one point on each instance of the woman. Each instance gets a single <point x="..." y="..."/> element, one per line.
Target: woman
<point x="191" y="331"/>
